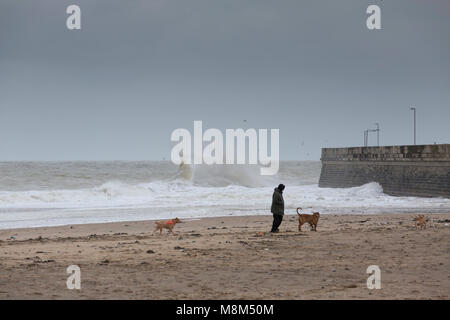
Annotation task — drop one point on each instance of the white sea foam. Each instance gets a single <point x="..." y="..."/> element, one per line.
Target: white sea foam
<point x="187" y="192"/>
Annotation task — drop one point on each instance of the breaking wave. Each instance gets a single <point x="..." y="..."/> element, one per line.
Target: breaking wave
<point x="195" y="191"/>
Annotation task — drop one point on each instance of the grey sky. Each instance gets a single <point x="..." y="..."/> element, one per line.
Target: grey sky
<point x="139" y="69"/>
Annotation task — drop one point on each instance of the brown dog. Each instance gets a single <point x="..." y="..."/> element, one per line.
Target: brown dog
<point x="312" y="219"/>
<point x="169" y="224"/>
<point x="421" y="221"/>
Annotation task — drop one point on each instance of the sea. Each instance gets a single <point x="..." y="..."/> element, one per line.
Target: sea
<point x="36" y="194"/>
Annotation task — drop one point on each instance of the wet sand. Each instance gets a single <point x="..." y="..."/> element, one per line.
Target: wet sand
<point x="224" y="258"/>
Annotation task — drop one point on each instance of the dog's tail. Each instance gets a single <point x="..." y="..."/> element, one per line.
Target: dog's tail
<point x="297" y="210"/>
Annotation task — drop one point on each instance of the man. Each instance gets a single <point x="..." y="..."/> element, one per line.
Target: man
<point x="277" y="207"/>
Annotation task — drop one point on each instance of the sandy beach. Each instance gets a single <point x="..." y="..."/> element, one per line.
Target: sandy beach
<point x="225" y="258"/>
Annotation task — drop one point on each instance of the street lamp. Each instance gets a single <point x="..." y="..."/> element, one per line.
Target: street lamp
<point x="378" y="133"/>
<point x="414" y="109"/>
<point x="366" y="137"/>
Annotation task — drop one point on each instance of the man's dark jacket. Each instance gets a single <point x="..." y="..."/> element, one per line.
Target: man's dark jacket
<point x="277" y="202"/>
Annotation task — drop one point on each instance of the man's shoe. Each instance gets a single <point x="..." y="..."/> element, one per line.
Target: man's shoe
<point x="276" y="231"/>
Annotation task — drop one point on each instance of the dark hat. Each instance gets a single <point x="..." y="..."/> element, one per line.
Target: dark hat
<point x="281" y="186"/>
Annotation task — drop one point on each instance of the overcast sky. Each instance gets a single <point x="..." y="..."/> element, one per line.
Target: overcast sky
<point x="139" y="69"/>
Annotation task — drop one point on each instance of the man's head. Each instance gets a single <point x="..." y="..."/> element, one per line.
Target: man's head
<point x="281" y="187"/>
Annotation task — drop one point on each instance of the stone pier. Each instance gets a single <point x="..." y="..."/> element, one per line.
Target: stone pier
<point x="416" y="170"/>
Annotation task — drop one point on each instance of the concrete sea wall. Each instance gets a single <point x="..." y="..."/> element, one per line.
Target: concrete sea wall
<point x="417" y="170"/>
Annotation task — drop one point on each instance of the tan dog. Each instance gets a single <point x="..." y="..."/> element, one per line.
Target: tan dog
<point x="312" y="219"/>
<point x="421" y="221"/>
<point x="169" y="224"/>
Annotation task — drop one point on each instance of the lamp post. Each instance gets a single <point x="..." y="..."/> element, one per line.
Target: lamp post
<point x="414" y="109"/>
<point x="366" y="136"/>
<point x="378" y="133"/>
